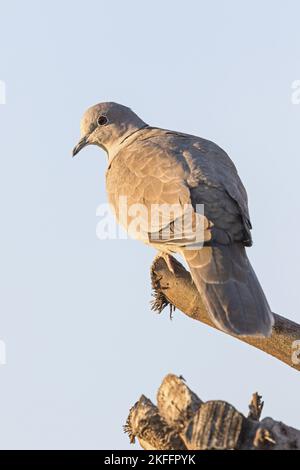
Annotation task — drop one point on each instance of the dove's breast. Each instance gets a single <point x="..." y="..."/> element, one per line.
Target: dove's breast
<point x="143" y="175"/>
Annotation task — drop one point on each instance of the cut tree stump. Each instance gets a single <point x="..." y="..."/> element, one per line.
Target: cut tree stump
<point x="182" y="421"/>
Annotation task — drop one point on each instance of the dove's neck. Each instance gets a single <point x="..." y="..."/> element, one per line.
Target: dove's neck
<point x="129" y="136"/>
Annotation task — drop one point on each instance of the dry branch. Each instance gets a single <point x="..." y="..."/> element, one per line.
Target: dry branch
<point x="178" y="290"/>
<point x="182" y="421"/>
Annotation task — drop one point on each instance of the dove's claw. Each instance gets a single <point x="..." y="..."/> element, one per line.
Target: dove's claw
<point x="168" y="260"/>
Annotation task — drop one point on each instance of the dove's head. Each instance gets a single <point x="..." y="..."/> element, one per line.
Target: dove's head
<point x="107" y="125"/>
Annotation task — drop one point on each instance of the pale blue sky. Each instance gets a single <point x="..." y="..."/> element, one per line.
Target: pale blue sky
<point x="82" y="343"/>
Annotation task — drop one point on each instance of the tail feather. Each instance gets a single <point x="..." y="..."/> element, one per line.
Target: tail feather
<point x="230" y="289"/>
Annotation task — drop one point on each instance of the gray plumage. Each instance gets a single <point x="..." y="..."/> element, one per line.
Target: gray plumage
<point x="156" y="166"/>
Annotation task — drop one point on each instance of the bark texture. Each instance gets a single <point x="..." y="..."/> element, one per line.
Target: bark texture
<point x="182" y="421"/>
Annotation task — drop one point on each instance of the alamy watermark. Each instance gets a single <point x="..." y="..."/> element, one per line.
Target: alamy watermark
<point x="295" y="96"/>
<point x="181" y="224"/>
<point x="296" y="352"/>
<point x="2" y="92"/>
<point x="2" y="353"/>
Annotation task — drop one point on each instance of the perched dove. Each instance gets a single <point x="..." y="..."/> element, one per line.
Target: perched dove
<point x="151" y="166"/>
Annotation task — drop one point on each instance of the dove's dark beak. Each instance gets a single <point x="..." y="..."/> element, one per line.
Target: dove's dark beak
<point x="82" y="143"/>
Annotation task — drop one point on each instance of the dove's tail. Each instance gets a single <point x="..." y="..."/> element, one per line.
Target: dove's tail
<point x="230" y="289"/>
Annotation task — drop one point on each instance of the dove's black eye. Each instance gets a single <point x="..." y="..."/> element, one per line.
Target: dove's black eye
<point x="102" y="120"/>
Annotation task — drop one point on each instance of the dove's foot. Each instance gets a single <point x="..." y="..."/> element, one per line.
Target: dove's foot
<point x="160" y="300"/>
<point x="168" y="259"/>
